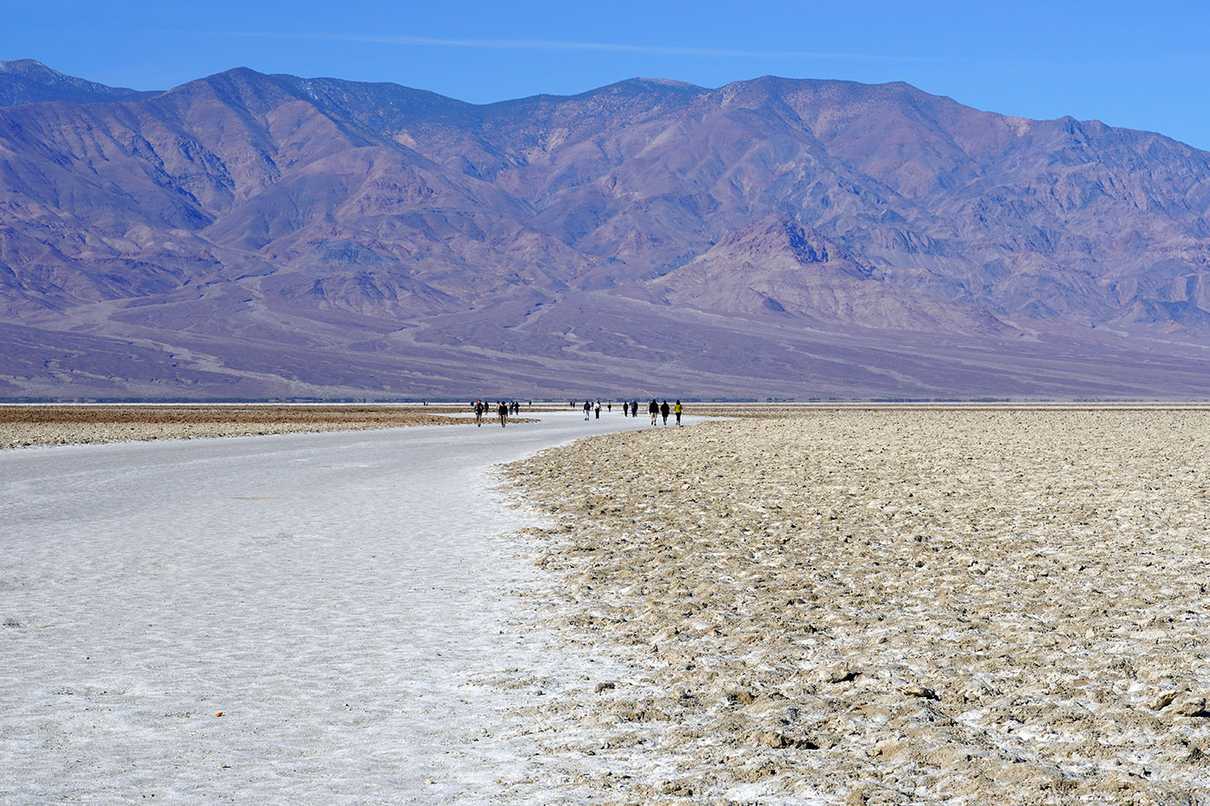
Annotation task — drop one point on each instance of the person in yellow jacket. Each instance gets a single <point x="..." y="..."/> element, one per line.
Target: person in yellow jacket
<point x="678" y="409"/>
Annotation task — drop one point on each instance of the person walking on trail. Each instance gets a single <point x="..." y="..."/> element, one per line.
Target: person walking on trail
<point x="653" y="409"/>
<point x="678" y="409"/>
<point x="634" y="408"/>
<point x="479" y="413"/>
<point x="598" y="410"/>
<point x="664" y="411"/>
<point x="609" y="407"/>
<point x="587" y="410"/>
<point x="502" y="411"/>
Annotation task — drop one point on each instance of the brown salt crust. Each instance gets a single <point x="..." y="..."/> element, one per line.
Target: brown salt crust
<point x="881" y="606"/>
<point x="24" y="426"/>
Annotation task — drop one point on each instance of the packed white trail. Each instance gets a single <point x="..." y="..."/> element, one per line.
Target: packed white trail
<point x="340" y="599"/>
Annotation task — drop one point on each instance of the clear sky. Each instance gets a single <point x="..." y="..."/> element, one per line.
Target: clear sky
<point x="1139" y="64"/>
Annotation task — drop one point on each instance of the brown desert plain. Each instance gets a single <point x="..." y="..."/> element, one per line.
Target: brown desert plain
<point x="26" y="426"/>
<point x="886" y="606"/>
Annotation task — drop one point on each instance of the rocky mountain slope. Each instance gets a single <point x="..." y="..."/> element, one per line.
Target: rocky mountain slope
<point x="256" y="235"/>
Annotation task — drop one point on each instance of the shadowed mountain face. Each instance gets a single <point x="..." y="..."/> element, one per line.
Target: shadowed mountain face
<point x="254" y="235"/>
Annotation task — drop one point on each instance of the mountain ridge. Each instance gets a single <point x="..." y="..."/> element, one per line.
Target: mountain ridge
<point x="30" y="81"/>
<point x="312" y="237"/>
<point x="7" y="65"/>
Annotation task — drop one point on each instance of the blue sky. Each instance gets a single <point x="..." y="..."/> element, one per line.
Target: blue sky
<point x="1143" y="65"/>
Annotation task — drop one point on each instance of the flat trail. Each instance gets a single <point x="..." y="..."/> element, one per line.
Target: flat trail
<point x="339" y="597"/>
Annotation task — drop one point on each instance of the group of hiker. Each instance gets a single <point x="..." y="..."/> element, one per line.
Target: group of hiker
<point x="504" y="409"/>
<point x="630" y="408"/>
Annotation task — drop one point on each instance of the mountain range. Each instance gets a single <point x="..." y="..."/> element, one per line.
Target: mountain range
<point x="251" y="236"/>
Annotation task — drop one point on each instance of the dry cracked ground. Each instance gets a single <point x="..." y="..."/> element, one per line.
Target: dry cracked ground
<point x="885" y="607"/>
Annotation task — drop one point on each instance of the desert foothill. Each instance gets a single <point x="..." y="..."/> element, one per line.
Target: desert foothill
<point x="675" y="403"/>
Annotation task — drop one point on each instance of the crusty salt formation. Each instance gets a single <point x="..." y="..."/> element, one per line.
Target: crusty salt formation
<point x="891" y="607"/>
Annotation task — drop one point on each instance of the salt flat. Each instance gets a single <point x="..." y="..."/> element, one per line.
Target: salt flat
<point x="893" y="606"/>
<point x="340" y="598"/>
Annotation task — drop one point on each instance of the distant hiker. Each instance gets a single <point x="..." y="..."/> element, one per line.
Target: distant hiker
<point x="502" y="411"/>
<point x="479" y="412"/>
<point x="678" y="409"/>
<point x="598" y="409"/>
<point x="587" y="410"/>
<point x="664" y="411"/>
<point x="634" y="408"/>
<point x="609" y="407"/>
<point x="653" y="409"/>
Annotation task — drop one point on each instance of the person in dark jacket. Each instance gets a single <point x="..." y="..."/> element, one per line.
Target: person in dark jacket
<point x="665" y="411"/>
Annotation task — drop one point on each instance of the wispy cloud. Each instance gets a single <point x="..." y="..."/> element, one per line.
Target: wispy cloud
<point x="564" y="45"/>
